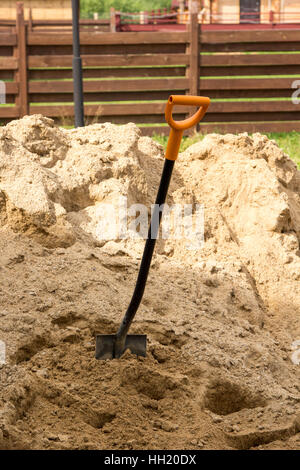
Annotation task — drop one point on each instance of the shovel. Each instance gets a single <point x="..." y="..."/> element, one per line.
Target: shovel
<point x="113" y="346"/>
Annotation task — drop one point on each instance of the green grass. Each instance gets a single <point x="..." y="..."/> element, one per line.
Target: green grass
<point x="289" y="142"/>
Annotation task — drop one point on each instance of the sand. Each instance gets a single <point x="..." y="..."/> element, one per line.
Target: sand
<point x="222" y="321"/>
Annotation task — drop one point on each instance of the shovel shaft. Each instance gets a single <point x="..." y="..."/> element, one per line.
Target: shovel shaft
<point x="177" y="128"/>
<point x="147" y="255"/>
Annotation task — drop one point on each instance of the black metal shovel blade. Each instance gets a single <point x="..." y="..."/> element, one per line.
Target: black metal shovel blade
<point x="105" y="346"/>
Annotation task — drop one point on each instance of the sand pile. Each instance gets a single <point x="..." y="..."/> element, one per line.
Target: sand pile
<point x="53" y="180"/>
<point x="251" y="191"/>
<point x="220" y="321"/>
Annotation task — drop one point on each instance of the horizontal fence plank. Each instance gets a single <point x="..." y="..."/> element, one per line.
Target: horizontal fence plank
<point x="253" y="107"/>
<point x="248" y="59"/>
<point x="254" y="116"/>
<point x="110" y="109"/>
<point x="247" y="94"/>
<point x="12" y="88"/>
<point x="246" y="83"/>
<point x="82" y="22"/>
<point x="9" y="112"/>
<point x="107" y="73"/>
<point x="159" y="108"/>
<point x="109" y="85"/>
<point x="121" y="49"/>
<point x="250" y="36"/>
<point x="8" y="63"/>
<point x="141" y="96"/>
<point x="52" y="29"/>
<point x="110" y="60"/>
<point x="137" y="96"/>
<point x="163" y="84"/>
<point x="250" y="70"/>
<point x="210" y="65"/>
<point x="109" y="38"/>
<point x="8" y="39"/>
<point x="56" y="22"/>
<point x="117" y="49"/>
<point x="103" y="115"/>
<point x="249" y="64"/>
<point x="251" y="47"/>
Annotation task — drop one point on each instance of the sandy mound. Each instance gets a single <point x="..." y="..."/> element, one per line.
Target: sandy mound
<point x="251" y="188"/>
<point x="52" y="180"/>
<point x="220" y="321"/>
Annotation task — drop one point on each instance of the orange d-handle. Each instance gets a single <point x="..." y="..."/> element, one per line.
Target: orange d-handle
<point x="177" y="127"/>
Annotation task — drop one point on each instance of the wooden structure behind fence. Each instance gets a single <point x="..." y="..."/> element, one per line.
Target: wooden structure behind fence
<point x="128" y="76"/>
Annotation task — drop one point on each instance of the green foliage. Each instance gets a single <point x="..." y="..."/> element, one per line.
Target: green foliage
<point x="102" y="7"/>
<point x="289" y="142"/>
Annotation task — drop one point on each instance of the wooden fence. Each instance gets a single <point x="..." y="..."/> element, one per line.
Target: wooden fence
<point x="129" y="76"/>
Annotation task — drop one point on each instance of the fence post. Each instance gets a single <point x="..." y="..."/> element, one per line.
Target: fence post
<point x="112" y="20"/>
<point x="193" y="51"/>
<point x="21" y="52"/>
<point x="118" y="22"/>
<point x="181" y="11"/>
<point x="194" y="54"/>
<point x="30" y="26"/>
<point x="96" y="18"/>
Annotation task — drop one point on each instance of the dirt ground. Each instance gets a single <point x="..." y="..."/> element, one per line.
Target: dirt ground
<point x="222" y="368"/>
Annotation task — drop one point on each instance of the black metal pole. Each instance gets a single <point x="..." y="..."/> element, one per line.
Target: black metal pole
<point x="77" y="68"/>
